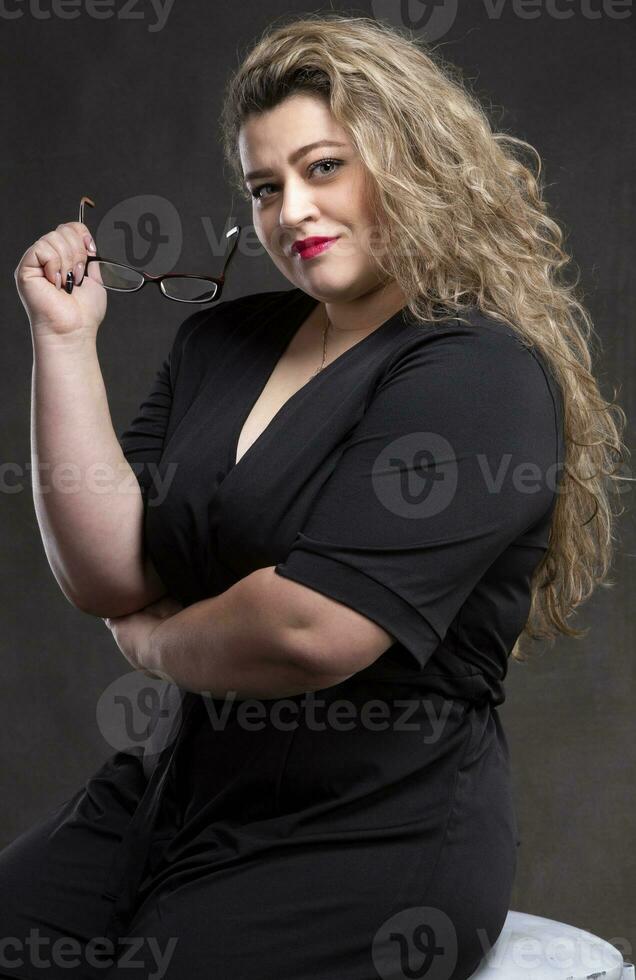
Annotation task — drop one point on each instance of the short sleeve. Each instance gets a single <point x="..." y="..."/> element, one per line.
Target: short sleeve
<point x="452" y="460"/>
<point x="142" y="441"/>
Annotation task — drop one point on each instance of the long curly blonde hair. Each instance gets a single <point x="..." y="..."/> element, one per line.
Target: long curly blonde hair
<point x="480" y="234"/>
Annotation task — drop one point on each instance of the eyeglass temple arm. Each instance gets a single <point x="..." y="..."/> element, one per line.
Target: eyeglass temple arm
<point x="236" y="230"/>
<point x="85" y="200"/>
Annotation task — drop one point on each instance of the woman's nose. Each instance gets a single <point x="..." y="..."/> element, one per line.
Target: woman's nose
<point x="296" y="207"/>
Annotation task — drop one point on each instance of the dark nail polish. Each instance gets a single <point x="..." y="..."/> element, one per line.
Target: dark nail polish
<point x="69" y="282"/>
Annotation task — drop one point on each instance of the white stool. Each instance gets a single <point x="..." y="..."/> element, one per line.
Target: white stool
<point x="533" y="948"/>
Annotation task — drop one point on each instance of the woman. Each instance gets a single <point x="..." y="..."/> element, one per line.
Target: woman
<point x="359" y="493"/>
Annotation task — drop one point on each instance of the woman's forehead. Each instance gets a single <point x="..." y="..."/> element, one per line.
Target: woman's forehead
<point x="296" y="120"/>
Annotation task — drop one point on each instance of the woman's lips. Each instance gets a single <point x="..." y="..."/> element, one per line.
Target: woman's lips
<point x="311" y="250"/>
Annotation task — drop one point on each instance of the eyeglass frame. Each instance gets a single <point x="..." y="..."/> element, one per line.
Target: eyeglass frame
<point x="219" y="281"/>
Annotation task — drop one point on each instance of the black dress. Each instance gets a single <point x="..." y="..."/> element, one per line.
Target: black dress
<point x="367" y="829"/>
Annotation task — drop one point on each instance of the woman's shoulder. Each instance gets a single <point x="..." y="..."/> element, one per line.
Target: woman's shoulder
<point x="208" y="330"/>
<point x="473" y="331"/>
<point x="476" y="344"/>
<point x="475" y="356"/>
<point x="231" y="311"/>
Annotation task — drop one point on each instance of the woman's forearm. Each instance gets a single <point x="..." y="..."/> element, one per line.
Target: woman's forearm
<point x="87" y="500"/>
<point x="241" y="644"/>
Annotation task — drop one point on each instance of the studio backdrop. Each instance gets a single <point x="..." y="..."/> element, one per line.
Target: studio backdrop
<point x="121" y="103"/>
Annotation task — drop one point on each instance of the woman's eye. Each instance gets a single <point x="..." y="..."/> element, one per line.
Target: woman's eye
<point x="324" y="163"/>
<point x="256" y="193"/>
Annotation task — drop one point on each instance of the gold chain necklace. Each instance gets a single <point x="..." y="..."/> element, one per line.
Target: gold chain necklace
<point x="324" y="347"/>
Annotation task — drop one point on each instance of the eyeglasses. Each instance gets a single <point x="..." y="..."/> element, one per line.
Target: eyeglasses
<point x="173" y="285"/>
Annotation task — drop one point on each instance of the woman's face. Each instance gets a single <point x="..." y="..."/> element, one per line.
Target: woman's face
<point x="298" y="196"/>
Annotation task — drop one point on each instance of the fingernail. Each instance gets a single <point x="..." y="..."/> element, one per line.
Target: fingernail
<point x="90" y="244"/>
<point x="69" y="282"/>
<point x="58" y="280"/>
<point x="79" y="268"/>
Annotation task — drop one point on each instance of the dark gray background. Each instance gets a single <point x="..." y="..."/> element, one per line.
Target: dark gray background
<point x="127" y="106"/>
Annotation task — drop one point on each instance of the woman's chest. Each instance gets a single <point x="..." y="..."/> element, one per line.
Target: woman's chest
<point x="288" y="377"/>
<point x="310" y="351"/>
<point x="242" y="468"/>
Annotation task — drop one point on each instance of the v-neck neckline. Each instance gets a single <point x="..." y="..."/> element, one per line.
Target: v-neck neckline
<point x="293" y="321"/>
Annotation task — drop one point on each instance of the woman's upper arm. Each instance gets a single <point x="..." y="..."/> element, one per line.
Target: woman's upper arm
<point x="450" y="463"/>
<point x="327" y="635"/>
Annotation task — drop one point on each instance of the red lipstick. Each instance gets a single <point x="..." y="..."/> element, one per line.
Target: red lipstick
<point x="308" y="247"/>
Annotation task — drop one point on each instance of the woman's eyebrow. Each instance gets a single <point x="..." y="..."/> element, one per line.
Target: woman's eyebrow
<point x="293" y="157"/>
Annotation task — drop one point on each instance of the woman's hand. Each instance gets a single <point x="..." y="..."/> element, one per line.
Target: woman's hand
<point x="133" y="633"/>
<point x="41" y="276"/>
